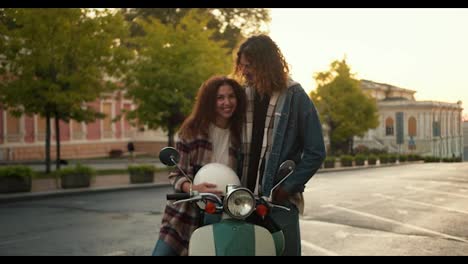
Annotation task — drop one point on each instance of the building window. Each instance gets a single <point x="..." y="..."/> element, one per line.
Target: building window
<point x="41" y="128"/>
<point x="412" y="127"/>
<point x="77" y="130"/>
<point x="107" y="122"/>
<point x="436" y="129"/>
<point x="389" y="126"/>
<point x="13" y="128"/>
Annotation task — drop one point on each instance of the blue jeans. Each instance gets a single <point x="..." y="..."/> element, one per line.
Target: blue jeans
<point x="289" y="223"/>
<point x="163" y="249"/>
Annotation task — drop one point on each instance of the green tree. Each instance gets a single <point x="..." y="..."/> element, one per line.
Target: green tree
<point x="173" y="61"/>
<point x="55" y="61"/>
<point x="229" y="24"/>
<point x="345" y="109"/>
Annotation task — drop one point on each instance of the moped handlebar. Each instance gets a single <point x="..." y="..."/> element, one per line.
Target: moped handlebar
<point x="177" y="196"/>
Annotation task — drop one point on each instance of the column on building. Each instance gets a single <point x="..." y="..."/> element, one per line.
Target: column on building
<point x="118" y="112"/>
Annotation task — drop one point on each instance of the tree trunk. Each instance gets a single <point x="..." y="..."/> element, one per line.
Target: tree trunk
<point x="57" y="140"/>
<point x="170" y="136"/>
<point x="350" y="145"/>
<point x="47" y="147"/>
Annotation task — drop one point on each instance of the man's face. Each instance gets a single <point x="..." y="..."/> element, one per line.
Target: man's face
<point x="246" y="68"/>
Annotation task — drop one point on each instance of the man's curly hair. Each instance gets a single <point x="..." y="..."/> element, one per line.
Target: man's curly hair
<point x="270" y="69"/>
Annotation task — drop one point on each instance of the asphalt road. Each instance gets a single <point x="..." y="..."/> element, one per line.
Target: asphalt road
<point x="100" y="224"/>
<point x="418" y="209"/>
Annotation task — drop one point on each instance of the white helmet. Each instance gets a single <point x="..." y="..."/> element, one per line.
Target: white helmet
<point x="217" y="173"/>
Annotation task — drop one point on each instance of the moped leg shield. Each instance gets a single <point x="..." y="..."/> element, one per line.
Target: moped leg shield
<point x="232" y="238"/>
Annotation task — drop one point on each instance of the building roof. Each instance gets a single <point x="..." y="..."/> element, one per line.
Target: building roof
<point x="366" y="84"/>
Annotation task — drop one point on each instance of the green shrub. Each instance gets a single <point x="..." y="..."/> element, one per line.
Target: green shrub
<point x="346" y="160"/>
<point x="392" y="158"/>
<point x="403" y="158"/>
<point x="75" y="177"/>
<point x="141" y="173"/>
<point x="384" y="158"/>
<point x="360" y="159"/>
<point x="372" y="160"/>
<point x="414" y="157"/>
<point x="329" y="162"/>
<point x="16" y="179"/>
<point x="431" y="159"/>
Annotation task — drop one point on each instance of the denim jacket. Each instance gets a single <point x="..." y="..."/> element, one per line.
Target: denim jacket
<point x="297" y="135"/>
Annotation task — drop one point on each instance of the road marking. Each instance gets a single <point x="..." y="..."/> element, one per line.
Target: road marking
<point x="439" y="192"/>
<point x="397" y="223"/>
<point x="319" y="249"/>
<point x="116" y="253"/>
<point x="421" y="203"/>
<point x="403" y="212"/>
<point x="18" y="240"/>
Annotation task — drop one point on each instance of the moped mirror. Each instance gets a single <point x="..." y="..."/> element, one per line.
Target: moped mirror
<point x="285" y="170"/>
<point x="169" y="156"/>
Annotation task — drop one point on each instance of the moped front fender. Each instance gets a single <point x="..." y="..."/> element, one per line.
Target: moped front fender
<point x="234" y="238"/>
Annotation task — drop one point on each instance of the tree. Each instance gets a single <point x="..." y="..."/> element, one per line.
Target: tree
<point x="229" y="24"/>
<point x="344" y="108"/>
<point x="173" y="61"/>
<point x="58" y="60"/>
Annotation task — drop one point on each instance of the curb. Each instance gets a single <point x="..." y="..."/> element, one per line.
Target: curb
<point x="17" y="197"/>
<point x="321" y="170"/>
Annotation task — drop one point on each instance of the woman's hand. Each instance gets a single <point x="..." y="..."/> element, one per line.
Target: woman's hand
<point x="203" y="187"/>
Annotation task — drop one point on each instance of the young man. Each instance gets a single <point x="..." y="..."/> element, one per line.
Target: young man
<point x="281" y="124"/>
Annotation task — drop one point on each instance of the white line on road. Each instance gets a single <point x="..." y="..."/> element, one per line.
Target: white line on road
<point x="18" y="241"/>
<point x="439" y="192"/>
<point x="397" y="223"/>
<point x="420" y="203"/>
<point x="116" y="253"/>
<point x="319" y="249"/>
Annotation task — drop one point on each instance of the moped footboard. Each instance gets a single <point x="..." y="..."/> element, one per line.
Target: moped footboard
<point x="232" y="238"/>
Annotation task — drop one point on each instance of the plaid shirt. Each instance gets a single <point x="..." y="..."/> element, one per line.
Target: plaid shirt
<point x="295" y="198"/>
<point x="247" y="133"/>
<point x="179" y="221"/>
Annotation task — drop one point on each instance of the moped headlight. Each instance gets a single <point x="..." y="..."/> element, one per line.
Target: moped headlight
<point x="239" y="203"/>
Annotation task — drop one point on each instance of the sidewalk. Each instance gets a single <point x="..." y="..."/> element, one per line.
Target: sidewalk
<point x="43" y="188"/>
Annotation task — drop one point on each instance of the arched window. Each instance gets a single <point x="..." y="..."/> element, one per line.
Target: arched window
<point x="389" y="126"/>
<point x="412" y="127"/>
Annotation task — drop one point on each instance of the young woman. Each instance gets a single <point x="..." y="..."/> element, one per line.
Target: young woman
<point x="211" y="133"/>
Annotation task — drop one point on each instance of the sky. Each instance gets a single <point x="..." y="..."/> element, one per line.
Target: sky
<point x="421" y="49"/>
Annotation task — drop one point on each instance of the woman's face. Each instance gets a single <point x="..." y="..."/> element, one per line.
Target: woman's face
<point x="226" y="102"/>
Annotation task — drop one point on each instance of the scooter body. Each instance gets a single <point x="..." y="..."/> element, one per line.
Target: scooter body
<point x="233" y="238"/>
<point x="231" y="234"/>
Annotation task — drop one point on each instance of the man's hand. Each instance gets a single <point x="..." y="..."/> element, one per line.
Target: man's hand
<point x="280" y="196"/>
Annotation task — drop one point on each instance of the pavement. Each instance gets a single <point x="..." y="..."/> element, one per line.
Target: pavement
<point x="44" y="188"/>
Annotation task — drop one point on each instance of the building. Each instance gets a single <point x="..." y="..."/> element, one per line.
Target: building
<point x="465" y="139"/>
<point x="24" y="138"/>
<point x="413" y="127"/>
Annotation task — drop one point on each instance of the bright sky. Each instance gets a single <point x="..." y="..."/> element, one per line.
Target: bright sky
<point x="415" y="48"/>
